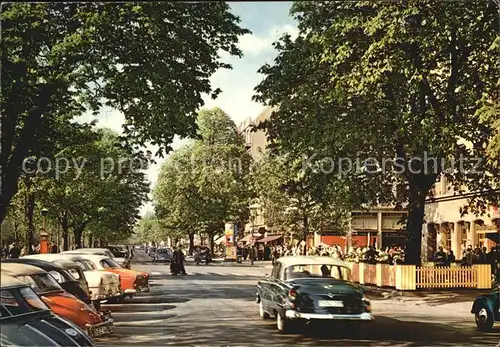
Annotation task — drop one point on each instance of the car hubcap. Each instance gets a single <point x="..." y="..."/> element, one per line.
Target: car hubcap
<point x="482" y="316"/>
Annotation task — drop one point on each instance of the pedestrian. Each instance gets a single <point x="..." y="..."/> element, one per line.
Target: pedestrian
<point x="54" y="248"/>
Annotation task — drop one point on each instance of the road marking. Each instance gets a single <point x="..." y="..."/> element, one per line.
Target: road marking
<point x="156" y="273"/>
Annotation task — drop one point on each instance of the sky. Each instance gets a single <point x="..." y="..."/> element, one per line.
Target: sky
<point x="267" y="21"/>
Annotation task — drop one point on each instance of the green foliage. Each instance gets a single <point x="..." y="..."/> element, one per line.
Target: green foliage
<point x="151" y="61"/>
<point x="388" y="80"/>
<point x="296" y="200"/>
<point x="206" y="183"/>
<point x="103" y="193"/>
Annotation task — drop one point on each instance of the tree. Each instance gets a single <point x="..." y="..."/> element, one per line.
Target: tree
<point x="103" y="190"/>
<point x="304" y="200"/>
<point x="206" y="183"/>
<point x="151" y="61"/>
<point x="391" y="90"/>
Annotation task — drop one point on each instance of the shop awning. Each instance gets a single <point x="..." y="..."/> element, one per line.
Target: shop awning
<point x="270" y="238"/>
<point x="248" y="238"/>
<point x="220" y="240"/>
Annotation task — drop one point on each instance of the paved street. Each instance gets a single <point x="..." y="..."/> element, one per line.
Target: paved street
<point x="214" y="305"/>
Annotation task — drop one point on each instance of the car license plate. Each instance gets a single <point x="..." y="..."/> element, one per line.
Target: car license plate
<point x="330" y="303"/>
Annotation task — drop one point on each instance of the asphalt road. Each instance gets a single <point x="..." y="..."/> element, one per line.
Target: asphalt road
<point x="215" y="305"/>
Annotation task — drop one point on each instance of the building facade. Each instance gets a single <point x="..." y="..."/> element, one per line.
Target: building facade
<point x="446" y="227"/>
<point x="380" y="226"/>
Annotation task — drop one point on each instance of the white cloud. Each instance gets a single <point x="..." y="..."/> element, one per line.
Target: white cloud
<point x="254" y="44"/>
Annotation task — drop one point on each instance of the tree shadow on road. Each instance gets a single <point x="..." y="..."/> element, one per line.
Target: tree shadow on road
<point x="250" y="332"/>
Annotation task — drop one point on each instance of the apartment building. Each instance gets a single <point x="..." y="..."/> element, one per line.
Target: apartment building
<point x="446" y="227"/>
<point x="380" y="226"/>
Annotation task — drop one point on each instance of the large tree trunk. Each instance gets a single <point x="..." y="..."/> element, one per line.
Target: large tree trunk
<point x="305" y="222"/>
<point x="419" y="189"/>
<point x="211" y="242"/>
<point x="191" y="243"/>
<point x="78" y="232"/>
<point x="65" y="236"/>
<point x="29" y="210"/>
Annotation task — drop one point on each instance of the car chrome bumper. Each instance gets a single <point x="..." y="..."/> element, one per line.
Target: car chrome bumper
<point x="100" y="329"/>
<point x="291" y="314"/>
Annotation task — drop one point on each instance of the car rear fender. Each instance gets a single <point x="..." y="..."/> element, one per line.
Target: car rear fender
<point x="482" y="301"/>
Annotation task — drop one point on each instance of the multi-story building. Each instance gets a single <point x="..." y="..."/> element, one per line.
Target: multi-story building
<point x="380" y="225"/>
<point x="446" y="226"/>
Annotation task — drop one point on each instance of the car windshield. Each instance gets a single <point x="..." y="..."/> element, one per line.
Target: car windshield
<point x="109" y="264"/>
<point x="74" y="273"/>
<point x="161" y="251"/>
<point x="317" y="270"/>
<point x="16" y="301"/>
<point x="41" y="283"/>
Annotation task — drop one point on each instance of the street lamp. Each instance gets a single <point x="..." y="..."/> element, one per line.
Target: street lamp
<point x="253" y="208"/>
<point x="44" y="247"/>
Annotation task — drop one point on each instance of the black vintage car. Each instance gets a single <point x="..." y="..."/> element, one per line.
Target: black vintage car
<point x="303" y="289"/>
<point x="67" y="281"/>
<point x="26" y="320"/>
<point x="486" y="310"/>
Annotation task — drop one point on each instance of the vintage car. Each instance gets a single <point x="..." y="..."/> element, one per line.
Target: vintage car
<point x="125" y="262"/>
<point x="486" y="309"/>
<point x="26" y="320"/>
<point x="61" y="302"/>
<point x="303" y="289"/>
<point x="131" y="281"/>
<point x="67" y="281"/>
<point x="103" y="285"/>
<point x="162" y="255"/>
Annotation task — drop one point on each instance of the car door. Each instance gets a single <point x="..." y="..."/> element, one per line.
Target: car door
<point x="273" y="289"/>
<point x="266" y="285"/>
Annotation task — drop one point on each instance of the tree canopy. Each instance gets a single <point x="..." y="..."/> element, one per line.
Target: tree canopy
<point x="206" y="183"/>
<point x="151" y="61"/>
<point x="395" y="87"/>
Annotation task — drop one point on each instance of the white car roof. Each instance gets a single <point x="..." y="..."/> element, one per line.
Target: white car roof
<point x="93" y="257"/>
<point x="287" y="261"/>
<point x="88" y="250"/>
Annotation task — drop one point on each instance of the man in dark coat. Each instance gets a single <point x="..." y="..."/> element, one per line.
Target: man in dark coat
<point x="177" y="265"/>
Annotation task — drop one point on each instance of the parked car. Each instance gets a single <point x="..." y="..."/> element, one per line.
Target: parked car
<point x="119" y="251"/>
<point x="486" y="310"/>
<point x="132" y="281"/>
<point x="162" y="255"/>
<point x="103" y="285"/>
<point x="61" y="302"/>
<point x="67" y="281"/>
<point x="27" y="321"/>
<point x="101" y="251"/>
<point x="311" y="288"/>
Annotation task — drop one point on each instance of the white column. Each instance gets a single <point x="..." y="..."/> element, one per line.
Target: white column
<point x="456" y="240"/>
<point x="379" y="230"/>
<point x="317" y="238"/>
<point x="472" y="235"/>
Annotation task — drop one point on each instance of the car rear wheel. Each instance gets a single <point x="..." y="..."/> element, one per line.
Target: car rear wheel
<point x="262" y="313"/>
<point x="484" y="319"/>
<point x="283" y="325"/>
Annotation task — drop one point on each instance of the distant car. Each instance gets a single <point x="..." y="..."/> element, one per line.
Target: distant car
<point x="61" y="302"/>
<point x="162" y="255"/>
<point x="486" y="310"/>
<point x="103" y="285"/>
<point x="311" y="288"/>
<point x="101" y="251"/>
<point x="26" y="320"/>
<point x="131" y="281"/>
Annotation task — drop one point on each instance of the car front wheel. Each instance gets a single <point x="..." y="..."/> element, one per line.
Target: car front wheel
<point x="484" y="319"/>
<point x="263" y="314"/>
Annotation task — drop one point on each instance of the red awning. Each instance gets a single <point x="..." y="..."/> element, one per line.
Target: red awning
<point x="249" y="238"/>
<point x="270" y="238"/>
